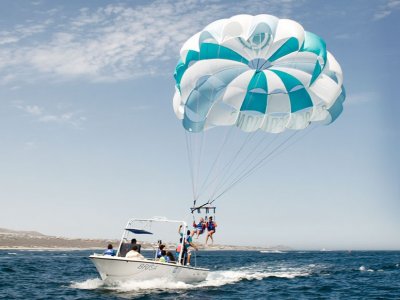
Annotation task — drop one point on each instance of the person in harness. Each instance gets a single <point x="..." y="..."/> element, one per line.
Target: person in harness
<point x="211" y="228"/>
<point x="199" y="227"/>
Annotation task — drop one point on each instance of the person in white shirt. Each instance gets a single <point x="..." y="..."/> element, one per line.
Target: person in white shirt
<point x="134" y="253"/>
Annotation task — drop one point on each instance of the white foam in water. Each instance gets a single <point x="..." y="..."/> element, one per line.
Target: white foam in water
<point x="271" y="251"/>
<point x="145" y="285"/>
<point x="219" y="278"/>
<point x="214" y="279"/>
<point x="90" y="284"/>
<point x="363" y="269"/>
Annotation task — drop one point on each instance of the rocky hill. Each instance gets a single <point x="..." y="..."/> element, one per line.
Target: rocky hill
<point x="13" y="239"/>
<point x="36" y="240"/>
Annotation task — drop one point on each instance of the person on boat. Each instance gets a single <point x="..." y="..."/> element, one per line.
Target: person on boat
<point x="171" y="257"/>
<point x="134" y="242"/>
<point x="211" y="228"/>
<point x="134" y="253"/>
<point x="188" y="242"/>
<point x="199" y="227"/>
<point x="110" y="251"/>
<point x="165" y="257"/>
<point x="179" y="249"/>
<point x="159" y="250"/>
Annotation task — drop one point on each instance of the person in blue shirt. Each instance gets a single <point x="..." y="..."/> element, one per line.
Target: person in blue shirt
<point x="167" y="257"/>
<point x="159" y="250"/>
<point x="188" y="242"/>
<point x="163" y="256"/>
<point x="199" y="227"/>
<point x="110" y="251"/>
<point x="170" y="257"/>
<point x="211" y="228"/>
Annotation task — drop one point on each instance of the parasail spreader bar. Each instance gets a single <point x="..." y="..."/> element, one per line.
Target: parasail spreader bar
<point x="205" y="207"/>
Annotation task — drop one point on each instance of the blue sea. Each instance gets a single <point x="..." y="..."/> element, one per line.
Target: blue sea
<point x="234" y="275"/>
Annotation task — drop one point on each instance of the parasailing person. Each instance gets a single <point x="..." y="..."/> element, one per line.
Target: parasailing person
<point x="211" y="227"/>
<point x="199" y="227"/>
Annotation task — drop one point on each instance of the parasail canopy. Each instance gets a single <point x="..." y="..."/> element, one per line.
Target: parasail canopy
<point x="257" y="73"/>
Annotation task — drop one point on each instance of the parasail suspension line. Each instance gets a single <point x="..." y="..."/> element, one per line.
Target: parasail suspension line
<point x="225" y="169"/>
<point x="190" y="158"/>
<point x="304" y="134"/>
<point x="255" y="167"/>
<point x="216" y="161"/>
<point x="243" y="163"/>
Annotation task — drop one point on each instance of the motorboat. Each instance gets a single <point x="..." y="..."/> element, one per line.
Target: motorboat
<point x="121" y="268"/>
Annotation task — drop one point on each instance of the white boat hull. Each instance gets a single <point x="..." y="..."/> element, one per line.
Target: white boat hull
<point x="122" y="269"/>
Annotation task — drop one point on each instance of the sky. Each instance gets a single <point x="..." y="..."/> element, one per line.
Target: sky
<point x="89" y="139"/>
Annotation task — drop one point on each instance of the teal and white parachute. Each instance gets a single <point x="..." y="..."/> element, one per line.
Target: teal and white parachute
<point x="256" y="73"/>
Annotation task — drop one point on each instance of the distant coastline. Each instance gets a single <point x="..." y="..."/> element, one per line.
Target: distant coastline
<point x="32" y="240"/>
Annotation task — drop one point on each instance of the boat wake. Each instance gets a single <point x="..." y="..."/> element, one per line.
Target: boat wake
<point x="219" y="278"/>
<point x="214" y="279"/>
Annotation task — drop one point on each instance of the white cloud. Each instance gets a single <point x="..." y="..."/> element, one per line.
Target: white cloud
<point x="7" y="78"/>
<point x="33" y="110"/>
<point x="343" y="36"/>
<point x="360" y="98"/>
<point x="15" y="87"/>
<point x="386" y="9"/>
<point x="118" y="41"/>
<point x="30" y="145"/>
<point x="72" y="118"/>
<point x="142" y="107"/>
<point x="21" y="32"/>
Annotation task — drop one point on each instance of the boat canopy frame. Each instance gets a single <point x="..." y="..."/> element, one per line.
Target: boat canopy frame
<point x="130" y="228"/>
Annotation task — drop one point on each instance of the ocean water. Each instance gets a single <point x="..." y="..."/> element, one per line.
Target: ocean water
<point x="234" y="275"/>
